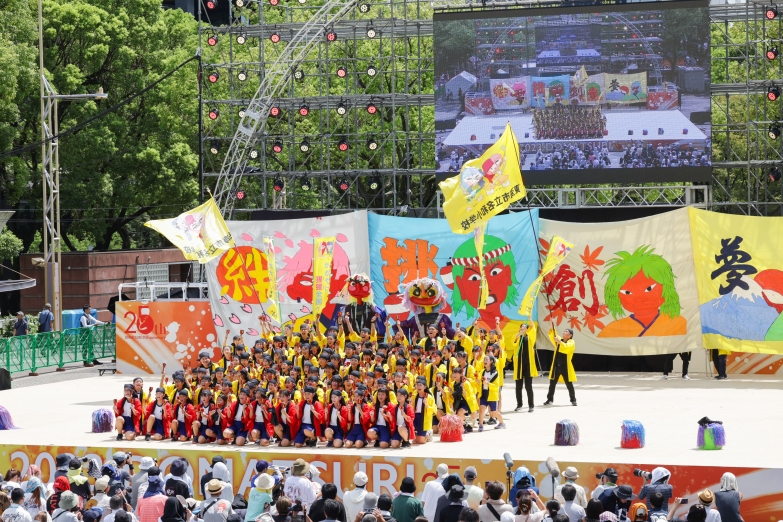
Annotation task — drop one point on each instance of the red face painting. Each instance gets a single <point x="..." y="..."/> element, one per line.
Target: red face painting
<point x="424" y="296"/>
<point x="302" y="287"/>
<point x="641" y="296"/>
<point x="359" y="289"/>
<point x="498" y="277"/>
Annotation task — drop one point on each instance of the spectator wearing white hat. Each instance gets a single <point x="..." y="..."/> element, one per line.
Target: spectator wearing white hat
<point x="140" y="478"/>
<point x="571" y="475"/>
<point x="433" y="490"/>
<point x="101" y="498"/>
<point x="473" y="494"/>
<point x="353" y="500"/>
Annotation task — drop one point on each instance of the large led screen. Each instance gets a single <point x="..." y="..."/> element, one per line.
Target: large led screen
<point x="594" y="95"/>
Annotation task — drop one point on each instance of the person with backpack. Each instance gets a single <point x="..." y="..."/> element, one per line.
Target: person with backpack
<point x="215" y="508"/>
<point x="494" y="506"/>
<point x="46" y="319"/>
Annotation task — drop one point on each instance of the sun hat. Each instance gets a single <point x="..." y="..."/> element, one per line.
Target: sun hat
<point x="146" y="463"/>
<point x="265" y="481"/>
<point x="360" y="478"/>
<point x="215" y="487"/>
<point x="707" y="497"/>
<point x="300" y="467"/>
<point x="68" y="500"/>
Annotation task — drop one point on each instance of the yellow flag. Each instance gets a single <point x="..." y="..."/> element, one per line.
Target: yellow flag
<point x="323" y="250"/>
<point x="485" y="186"/>
<point x="201" y="234"/>
<point x="478" y="239"/>
<point x="273" y="308"/>
<point x="558" y="250"/>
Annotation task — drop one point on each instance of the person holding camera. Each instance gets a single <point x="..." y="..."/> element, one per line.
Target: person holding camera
<point x="608" y="481"/>
<point x="657" y="481"/>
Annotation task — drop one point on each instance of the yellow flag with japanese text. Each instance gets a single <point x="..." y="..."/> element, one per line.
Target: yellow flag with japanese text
<point x="273" y="308"/>
<point x="323" y="251"/>
<point x="478" y="239"/>
<point x="201" y="234"/>
<point x="485" y="186"/>
<point x="558" y="250"/>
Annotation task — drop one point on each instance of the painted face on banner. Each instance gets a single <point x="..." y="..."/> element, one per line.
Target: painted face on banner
<point x="498" y="279"/>
<point x="301" y="289"/>
<point x="641" y="295"/>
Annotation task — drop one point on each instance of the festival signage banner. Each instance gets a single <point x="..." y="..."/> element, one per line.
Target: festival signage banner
<point x="404" y="249"/>
<point x="150" y="334"/>
<point x="510" y="93"/>
<point x="234" y="291"/>
<point x="548" y="90"/>
<point x="740" y="280"/>
<point x="762" y="489"/>
<point x="558" y="250"/>
<point x="625" y="88"/>
<point x="627" y="289"/>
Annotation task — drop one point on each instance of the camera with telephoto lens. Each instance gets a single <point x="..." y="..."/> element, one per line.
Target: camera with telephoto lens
<point x="641" y="473"/>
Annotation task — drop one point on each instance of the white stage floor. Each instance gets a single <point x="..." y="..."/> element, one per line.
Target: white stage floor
<point x="59" y="414"/>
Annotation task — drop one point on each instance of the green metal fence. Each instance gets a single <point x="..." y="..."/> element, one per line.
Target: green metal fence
<point x="43" y="350"/>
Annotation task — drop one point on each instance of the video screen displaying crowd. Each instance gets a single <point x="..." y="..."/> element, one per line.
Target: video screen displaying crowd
<point x="128" y="489"/>
<point x="342" y="388"/>
<point x="569" y="122"/>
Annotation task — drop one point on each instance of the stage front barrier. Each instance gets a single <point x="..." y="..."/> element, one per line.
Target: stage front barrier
<point x="762" y="489"/>
<point x="49" y="349"/>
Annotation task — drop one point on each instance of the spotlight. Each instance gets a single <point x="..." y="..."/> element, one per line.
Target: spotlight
<point x="371" y="70"/>
<point x="274" y="111"/>
<point x="773" y="93"/>
<point x="371" y="32"/>
<point x="371" y="108"/>
<point x="240" y="3"/>
<point x="274" y="37"/>
<point x="212" y="4"/>
<point x="241" y="194"/>
<point x="213" y="77"/>
<point x="341" y="109"/>
<point x="342" y="145"/>
<point x="343" y="184"/>
<point x="277" y="147"/>
<point x="331" y="36"/>
<point x="304" y="110"/>
<point x="772" y="53"/>
<point x="305" y="145"/>
<point x="375" y="183"/>
<point x="364" y="8"/>
<point x="242" y="112"/>
<point x="214" y="113"/>
<point x="274" y="3"/>
<point x="772" y="12"/>
<point x="299" y="75"/>
<point x="254" y="154"/>
<point x="342" y="72"/>
<point x="214" y="147"/>
<point x="241" y="38"/>
<point x="372" y="144"/>
<point x="279" y="185"/>
<point x="774" y="174"/>
<point x="774" y="131"/>
<point x="305" y="184"/>
<point x="242" y="75"/>
<point x="212" y="40"/>
<point x="302" y="2"/>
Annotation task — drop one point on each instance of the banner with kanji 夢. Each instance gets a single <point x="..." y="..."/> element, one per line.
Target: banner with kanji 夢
<point x="201" y="234"/>
<point x="628" y="289"/>
<point x="485" y="186"/>
<point x="739" y="271"/>
<point x="323" y="252"/>
<point x="558" y="250"/>
<point x="234" y="291"/>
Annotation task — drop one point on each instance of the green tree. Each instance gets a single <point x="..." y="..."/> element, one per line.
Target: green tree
<point x="10" y="245"/>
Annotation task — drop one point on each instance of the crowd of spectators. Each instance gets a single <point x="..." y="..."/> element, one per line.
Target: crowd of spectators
<point x="82" y="490"/>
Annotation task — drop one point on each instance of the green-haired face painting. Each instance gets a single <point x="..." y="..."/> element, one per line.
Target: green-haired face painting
<point x="642" y="285"/>
<point x="500" y="271"/>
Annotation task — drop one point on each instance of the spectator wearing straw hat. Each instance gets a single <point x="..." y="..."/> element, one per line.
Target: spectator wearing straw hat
<point x="215" y="509"/>
<point x="706" y="499"/>
<point x="571" y="475"/>
<point x="298" y="486"/>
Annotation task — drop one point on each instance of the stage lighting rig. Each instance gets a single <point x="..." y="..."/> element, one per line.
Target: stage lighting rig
<point x="375" y="183"/>
<point x="341" y="109"/>
<point x="331" y="36"/>
<point x="212" y="40"/>
<point x="304" y="109"/>
<point x="305" y="184"/>
<point x="240" y="194"/>
<point x="277" y="147"/>
<point x="304" y="146"/>
<point x="254" y="154"/>
<point x="371" y="108"/>
<point x="214" y="147"/>
<point x="274" y="111"/>
<point x="343" y="184"/>
<point x="771" y="12"/>
<point x="774" y="131"/>
<point x="242" y="75"/>
<point x="772" y="53"/>
<point x="371" y="71"/>
<point x="774" y="174"/>
<point x="211" y="4"/>
<point x="364" y="8"/>
<point x="279" y="185"/>
<point x="342" y="145"/>
<point x="214" y="113"/>
<point x="372" y="144"/>
<point x="241" y="38"/>
<point x="371" y="33"/>
<point x="242" y="112"/>
<point x="274" y="37"/>
<point x="213" y="77"/>
<point x="299" y="75"/>
<point x="342" y="72"/>
<point x="773" y="93"/>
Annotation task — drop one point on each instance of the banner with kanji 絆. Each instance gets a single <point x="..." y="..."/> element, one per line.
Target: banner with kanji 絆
<point x="627" y="289"/>
<point x="739" y="272"/>
<point x="235" y="290"/>
<point x="404" y="249"/>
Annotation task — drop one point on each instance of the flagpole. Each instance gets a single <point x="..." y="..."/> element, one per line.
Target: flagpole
<point x="538" y="257"/>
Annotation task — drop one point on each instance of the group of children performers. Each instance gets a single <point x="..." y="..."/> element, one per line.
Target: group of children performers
<point x="343" y="387"/>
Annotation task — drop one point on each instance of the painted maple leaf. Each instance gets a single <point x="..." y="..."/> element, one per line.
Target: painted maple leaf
<point x="592" y="321"/>
<point x="590" y="259"/>
<point x="573" y="322"/>
<point x="557" y="315"/>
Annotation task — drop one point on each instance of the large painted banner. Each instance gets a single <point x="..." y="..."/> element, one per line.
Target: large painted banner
<point x="627" y="288"/>
<point x="739" y="272"/>
<point x="404" y="249"/>
<point x="548" y="90"/>
<point x="510" y="93"/>
<point x="239" y="279"/>
<point x="762" y="489"/>
<point x="151" y="334"/>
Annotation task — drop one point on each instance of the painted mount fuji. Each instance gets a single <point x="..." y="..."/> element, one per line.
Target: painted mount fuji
<point x="741" y="314"/>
